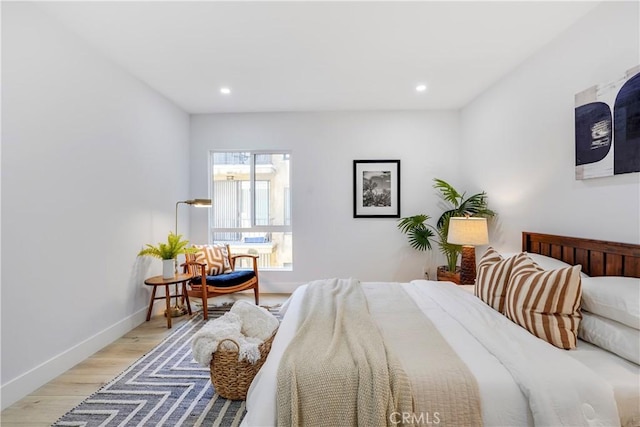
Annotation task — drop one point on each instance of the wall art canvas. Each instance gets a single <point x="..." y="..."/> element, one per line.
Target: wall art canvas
<point x="607" y="122"/>
<point x="376" y="188"/>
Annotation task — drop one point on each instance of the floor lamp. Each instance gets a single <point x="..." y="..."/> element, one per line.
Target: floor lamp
<point x="202" y="203"/>
<point x="468" y="232"/>
<point x="179" y="310"/>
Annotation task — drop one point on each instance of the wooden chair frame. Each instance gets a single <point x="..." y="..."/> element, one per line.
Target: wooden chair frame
<point x="204" y="291"/>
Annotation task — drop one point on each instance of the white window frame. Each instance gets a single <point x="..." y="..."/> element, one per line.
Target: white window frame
<point x="288" y="228"/>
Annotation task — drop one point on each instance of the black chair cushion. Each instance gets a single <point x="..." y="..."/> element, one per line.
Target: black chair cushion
<point x="227" y="280"/>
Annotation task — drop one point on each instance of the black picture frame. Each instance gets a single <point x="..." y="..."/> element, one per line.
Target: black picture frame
<point x="376" y="188"/>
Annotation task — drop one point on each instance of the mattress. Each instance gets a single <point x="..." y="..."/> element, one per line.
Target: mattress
<point x="503" y="400"/>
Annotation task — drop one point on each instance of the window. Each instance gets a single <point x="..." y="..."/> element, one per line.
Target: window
<point x="252" y="206"/>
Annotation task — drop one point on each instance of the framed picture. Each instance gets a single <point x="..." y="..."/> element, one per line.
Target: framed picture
<point x="376" y="188"/>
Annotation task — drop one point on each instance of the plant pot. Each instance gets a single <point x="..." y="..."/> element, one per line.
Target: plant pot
<point x="445" y="275"/>
<point x="168" y="268"/>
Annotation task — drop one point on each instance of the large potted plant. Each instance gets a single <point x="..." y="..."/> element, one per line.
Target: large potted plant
<point x="168" y="252"/>
<point x="421" y="234"/>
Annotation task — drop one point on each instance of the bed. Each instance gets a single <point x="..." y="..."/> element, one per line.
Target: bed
<point x="521" y="379"/>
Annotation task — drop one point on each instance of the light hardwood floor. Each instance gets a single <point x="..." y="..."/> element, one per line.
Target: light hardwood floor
<point x="44" y="406"/>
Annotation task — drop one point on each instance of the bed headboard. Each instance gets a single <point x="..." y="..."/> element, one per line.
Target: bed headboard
<point x="597" y="257"/>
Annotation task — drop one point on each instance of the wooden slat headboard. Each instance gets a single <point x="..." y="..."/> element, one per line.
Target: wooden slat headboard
<point x="597" y="257"/>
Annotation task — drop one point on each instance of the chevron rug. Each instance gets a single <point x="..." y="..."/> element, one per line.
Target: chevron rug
<point x="165" y="387"/>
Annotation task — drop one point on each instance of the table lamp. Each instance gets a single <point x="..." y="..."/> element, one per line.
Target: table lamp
<point x="468" y="232"/>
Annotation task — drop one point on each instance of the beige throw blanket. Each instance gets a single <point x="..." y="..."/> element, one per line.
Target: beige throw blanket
<point x="445" y="392"/>
<point x="336" y="370"/>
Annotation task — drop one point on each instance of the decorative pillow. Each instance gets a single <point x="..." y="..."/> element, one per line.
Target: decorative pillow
<point x="613" y="297"/>
<point x="493" y="277"/>
<point x="546" y="303"/>
<point x="611" y="335"/>
<point x="215" y="256"/>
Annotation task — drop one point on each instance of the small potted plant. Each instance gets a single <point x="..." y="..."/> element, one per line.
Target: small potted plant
<point x="168" y="252"/>
<point x="422" y="234"/>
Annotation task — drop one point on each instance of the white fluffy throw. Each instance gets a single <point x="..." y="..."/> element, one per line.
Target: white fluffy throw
<point x="246" y="324"/>
<point x="257" y="322"/>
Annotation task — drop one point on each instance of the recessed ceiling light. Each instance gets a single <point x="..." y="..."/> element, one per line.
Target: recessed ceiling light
<point x="421" y="88"/>
<point x="225" y="90"/>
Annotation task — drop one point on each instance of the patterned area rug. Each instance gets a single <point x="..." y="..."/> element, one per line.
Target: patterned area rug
<point x="165" y="387"/>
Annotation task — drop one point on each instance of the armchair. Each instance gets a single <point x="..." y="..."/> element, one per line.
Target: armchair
<point x="212" y="282"/>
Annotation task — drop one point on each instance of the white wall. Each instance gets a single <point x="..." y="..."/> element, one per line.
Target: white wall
<point x="92" y="164"/>
<point x="518" y="137"/>
<point x="328" y="241"/>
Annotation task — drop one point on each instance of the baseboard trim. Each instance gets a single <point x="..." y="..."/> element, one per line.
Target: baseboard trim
<point x="31" y="380"/>
<point x="272" y="287"/>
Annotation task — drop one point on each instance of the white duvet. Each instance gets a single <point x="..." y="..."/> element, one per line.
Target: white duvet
<point x="522" y="380"/>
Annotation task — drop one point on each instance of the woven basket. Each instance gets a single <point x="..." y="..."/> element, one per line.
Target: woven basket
<point x="230" y="377"/>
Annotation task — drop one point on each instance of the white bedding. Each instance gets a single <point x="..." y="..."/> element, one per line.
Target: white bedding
<point x="622" y="375"/>
<point x="503" y="400"/>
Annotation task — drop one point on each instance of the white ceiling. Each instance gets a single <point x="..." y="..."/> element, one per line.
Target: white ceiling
<point x="318" y="56"/>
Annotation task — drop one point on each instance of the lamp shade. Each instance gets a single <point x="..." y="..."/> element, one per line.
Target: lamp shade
<point x="198" y="202"/>
<point x="468" y="231"/>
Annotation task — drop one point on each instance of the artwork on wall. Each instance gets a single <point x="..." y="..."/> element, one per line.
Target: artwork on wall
<point x="376" y="188"/>
<point x="607" y="121"/>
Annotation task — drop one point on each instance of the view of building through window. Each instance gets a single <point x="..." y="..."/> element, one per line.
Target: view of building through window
<point x="252" y="206"/>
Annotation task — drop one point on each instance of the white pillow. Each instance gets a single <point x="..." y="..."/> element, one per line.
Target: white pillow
<point x="613" y="297"/>
<point x="546" y="262"/>
<point x="611" y="335"/>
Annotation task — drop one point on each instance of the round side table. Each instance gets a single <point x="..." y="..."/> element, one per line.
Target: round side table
<point x="156" y="281"/>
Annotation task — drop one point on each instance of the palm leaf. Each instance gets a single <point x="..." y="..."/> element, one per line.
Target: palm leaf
<point x="420" y="238"/>
<point x="170" y="250"/>
<point x="450" y="251"/>
<point x="418" y="231"/>
<point x="447" y="191"/>
<point x="473" y="204"/>
<point x="443" y="221"/>
<point x="408" y="223"/>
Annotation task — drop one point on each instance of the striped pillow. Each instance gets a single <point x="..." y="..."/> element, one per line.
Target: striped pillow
<point x="215" y="256"/>
<point x="545" y="302"/>
<point x="493" y="277"/>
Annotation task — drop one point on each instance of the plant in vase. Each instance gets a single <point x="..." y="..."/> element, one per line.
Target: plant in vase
<point x="421" y="234"/>
<point x="168" y="252"/>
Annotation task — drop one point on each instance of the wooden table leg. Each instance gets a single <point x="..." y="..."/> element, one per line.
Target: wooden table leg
<point x="168" y="297"/>
<point x="153" y="297"/>
<point x="185" y="297"/>
<point x="175" y="288"/>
